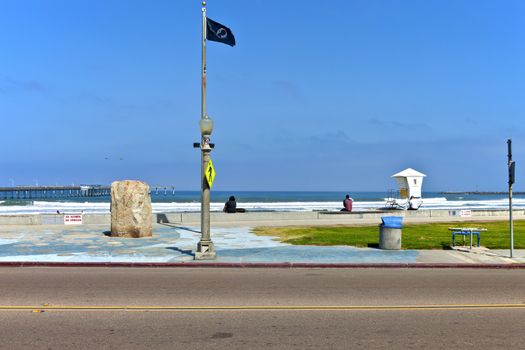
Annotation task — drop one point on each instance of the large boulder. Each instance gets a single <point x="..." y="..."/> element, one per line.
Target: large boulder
<point x="131" y="214"/>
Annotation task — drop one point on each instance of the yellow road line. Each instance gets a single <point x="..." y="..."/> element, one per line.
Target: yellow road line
<point x="266" y="307"/>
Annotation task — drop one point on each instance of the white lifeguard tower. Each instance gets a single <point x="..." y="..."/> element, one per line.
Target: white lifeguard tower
<point x="410" y="183"/>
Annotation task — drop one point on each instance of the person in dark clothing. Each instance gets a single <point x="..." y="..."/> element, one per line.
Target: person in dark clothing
<point x="230" y="206"/>
<point x="347" y="204"/>
<point x="412" y="203"/>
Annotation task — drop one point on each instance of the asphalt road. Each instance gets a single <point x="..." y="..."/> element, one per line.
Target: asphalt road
<point x="250" y="308"/>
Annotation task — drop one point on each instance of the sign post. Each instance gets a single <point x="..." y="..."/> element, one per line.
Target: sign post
<point x="511" y="167"/>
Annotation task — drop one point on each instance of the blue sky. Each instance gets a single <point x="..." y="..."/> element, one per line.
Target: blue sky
<point x="317" y="95"/>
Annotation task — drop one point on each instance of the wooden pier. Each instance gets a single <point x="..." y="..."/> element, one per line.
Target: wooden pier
<point x="53" y="192"/>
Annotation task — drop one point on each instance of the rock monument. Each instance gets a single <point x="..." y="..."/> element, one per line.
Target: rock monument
<point x="131" y="214"/>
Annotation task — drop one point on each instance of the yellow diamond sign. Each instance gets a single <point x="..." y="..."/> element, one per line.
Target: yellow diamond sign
<point x="210" y="173"/>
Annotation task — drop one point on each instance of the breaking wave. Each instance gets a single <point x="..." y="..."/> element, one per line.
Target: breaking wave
<point x="49" y="207"/>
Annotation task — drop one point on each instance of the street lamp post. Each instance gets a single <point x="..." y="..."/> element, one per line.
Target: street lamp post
<point x="205" y="248"/>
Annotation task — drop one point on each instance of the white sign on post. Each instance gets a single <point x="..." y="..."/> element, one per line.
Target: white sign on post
<point x="465" y="213"/>
<point x="73" y="219"/>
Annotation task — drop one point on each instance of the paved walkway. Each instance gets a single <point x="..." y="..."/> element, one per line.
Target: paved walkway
<point x="175" y="244"/>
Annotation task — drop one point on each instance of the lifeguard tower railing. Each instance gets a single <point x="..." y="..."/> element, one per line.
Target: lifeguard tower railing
<point x="393" y="200"/>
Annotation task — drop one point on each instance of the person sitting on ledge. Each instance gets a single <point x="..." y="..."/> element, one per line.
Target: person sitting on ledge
<point x="230" y="206"/>
<point x="347" y="204"/>
<point x="412" y="205"/>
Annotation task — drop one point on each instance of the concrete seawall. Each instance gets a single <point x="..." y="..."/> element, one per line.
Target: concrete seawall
<point x="279" y="218"/>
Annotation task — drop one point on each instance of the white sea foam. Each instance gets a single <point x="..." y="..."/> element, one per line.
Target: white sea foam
<point x="43" y="207"/>
<point x="5" y="241"/>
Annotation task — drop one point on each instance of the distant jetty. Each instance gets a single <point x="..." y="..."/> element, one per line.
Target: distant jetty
<point x="478" y="192"/>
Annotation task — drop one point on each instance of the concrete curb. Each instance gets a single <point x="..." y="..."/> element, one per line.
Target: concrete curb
<point x="261" y="265"/>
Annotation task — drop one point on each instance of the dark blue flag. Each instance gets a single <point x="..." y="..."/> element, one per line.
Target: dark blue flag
<point x="217" y="32"/>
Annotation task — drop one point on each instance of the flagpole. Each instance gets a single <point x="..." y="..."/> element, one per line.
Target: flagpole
<point x="205" y="247"/>
<point x="203" y="76"/>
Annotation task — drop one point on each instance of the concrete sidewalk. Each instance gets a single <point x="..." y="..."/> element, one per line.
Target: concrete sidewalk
<point x="172" y="243"/>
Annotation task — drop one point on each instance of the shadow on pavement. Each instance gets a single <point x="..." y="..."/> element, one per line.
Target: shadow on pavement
<point x="180" y="227"/>
<point x="182" y="251"/>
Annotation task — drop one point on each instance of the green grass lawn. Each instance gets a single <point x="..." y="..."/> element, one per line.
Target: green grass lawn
<point x="414" y="236"/>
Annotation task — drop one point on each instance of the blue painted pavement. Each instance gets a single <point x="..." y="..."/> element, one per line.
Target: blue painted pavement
<point x="173" y="244"/>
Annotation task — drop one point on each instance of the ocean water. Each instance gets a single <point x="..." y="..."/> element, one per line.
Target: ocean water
<point x="189" y="201"/>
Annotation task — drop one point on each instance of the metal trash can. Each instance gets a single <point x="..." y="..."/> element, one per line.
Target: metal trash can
<point x="390" y="232"/>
